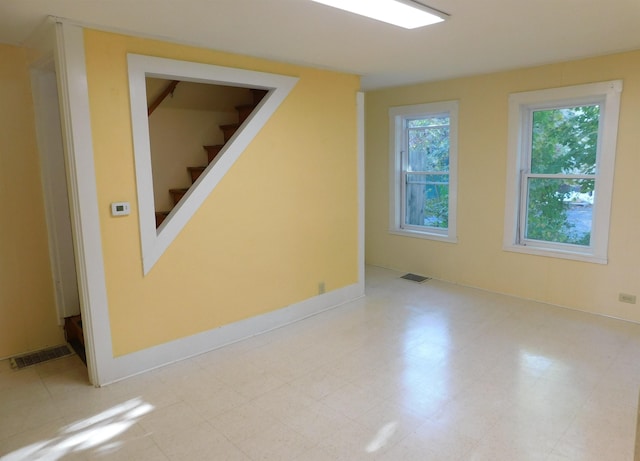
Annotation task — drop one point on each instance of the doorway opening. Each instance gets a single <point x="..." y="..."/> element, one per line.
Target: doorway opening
<point x="56" y="200"/>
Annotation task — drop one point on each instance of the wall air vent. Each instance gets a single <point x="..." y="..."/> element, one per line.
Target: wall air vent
<point x="34" y="358"/>
<point x="415" y="278"/>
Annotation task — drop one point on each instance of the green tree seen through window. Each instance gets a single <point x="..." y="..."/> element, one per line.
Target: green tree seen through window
<point x="427" y="180"/>
<point x="560" y="185"/>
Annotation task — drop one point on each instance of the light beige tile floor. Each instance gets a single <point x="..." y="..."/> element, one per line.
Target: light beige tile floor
<point x="426" y="371"/>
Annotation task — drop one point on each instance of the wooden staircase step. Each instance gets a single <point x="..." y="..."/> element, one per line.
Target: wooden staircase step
<point x="244" y="111"/>
<point x="213" y="151"/>
<point x="229" y="130"/>
<point x="177" y="194"/>
<point x="73" y="329"/>
<point x="195" y="172"/>
<point x="160" y="217"/>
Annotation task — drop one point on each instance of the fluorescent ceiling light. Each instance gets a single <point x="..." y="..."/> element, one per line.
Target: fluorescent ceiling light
<point x="404" y="13"/>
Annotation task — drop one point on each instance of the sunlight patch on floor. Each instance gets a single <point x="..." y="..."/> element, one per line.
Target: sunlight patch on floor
<point x="85" y="434"/>
<point x="382" y="437"/>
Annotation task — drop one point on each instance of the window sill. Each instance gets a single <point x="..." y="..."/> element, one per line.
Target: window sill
<point x="562" y="254"/>
<point x="424" y="235"/>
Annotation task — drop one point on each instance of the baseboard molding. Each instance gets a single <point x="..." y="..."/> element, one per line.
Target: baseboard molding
<point x="184" y="348"/>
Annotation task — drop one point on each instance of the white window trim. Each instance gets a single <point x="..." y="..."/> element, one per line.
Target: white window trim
<point x="520" y="106"/>
<point x="397" y="115"/>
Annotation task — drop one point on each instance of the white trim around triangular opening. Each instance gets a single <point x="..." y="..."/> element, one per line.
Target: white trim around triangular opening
<point x="155" y="241"/>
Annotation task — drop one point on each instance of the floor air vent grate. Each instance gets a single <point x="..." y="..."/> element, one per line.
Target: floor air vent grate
<point x="34" y="358"/>
<point x="415" y="278"/>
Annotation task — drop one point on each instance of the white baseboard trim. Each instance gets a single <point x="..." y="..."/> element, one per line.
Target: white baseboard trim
<point x="184" y="348"/>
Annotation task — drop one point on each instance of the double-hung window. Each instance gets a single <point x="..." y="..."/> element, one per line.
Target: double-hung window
<point x="560" y="176"/>
<point x="424" y="170"/>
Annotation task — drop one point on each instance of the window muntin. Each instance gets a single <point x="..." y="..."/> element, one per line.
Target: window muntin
<point x="424" y="174"/>
<point x="562" y="144"/>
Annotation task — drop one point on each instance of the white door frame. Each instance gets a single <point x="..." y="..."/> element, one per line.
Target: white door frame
<point x="83" y="196"/>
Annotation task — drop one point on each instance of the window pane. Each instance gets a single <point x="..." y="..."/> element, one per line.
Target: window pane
<point x="560" y="210"/>
<point x="564" y="141"/>
<point x="428" y="147"/>
<point x="427" y="200"/>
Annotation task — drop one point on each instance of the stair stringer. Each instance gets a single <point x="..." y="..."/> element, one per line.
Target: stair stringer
<point x="154" y="241"/>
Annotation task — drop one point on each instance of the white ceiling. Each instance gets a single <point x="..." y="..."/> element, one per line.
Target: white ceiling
<point x="481" y="35"/>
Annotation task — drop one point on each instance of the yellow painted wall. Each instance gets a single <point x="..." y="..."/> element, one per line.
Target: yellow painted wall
<point x="282" y="220"/>
<point x="27" y="307"/>
<point x="478" y="259"/>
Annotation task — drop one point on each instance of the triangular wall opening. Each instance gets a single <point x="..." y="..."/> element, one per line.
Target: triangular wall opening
<point x="267" y="91"/>
<point x="190" y="124"/>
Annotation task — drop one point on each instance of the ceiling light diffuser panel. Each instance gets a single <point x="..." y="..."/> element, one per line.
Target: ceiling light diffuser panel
<point x="403" y="13"/>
